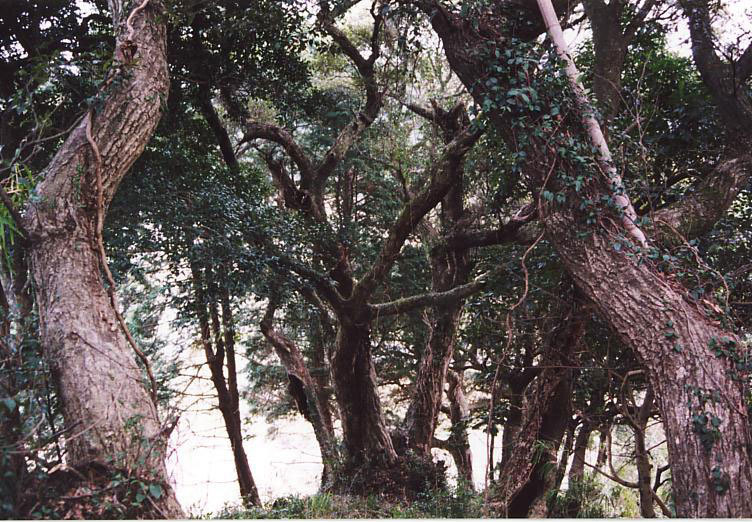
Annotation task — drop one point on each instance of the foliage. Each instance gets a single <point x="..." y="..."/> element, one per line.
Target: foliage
<point x="461" y="502"/>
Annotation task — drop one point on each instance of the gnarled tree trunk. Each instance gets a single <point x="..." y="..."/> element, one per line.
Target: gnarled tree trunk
<point x="693" y="386"/>
<point x="111" y="416"/>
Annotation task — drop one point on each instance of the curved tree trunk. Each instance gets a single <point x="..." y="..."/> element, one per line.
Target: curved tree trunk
<point x="306" y="393"/>
<point x="112" y="417"/>
<point x="674" y="337"/>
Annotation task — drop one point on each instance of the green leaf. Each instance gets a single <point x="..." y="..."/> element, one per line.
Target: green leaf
<point x="155" y="490"/>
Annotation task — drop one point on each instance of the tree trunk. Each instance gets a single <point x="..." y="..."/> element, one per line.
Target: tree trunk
<point x="577" y="470"/>
<point x="217" y="348"/>
<point x="530" y="470"/>
<point x="111" y="415"/>
<point x="423" y="413"/>
<point x="638" y="421"/>
<point x="673" y="336"/>
<point x="675" y="340"/>
<point x="364" y="431"/>
<point x="305" y="391"/>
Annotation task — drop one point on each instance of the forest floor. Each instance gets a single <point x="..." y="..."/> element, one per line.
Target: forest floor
<point x="457" y="503"/>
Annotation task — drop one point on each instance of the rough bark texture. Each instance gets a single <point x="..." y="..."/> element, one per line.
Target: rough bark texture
<point x="528" y="472"/>
<point x="707" y="482"/>
<point x="648" y="307"/>
<point x="110" y="413"/>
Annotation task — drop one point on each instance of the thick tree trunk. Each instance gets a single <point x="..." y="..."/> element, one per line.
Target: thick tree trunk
<point x="111" y="415"/>
<point x="676" y="340"/>
<point x="450" y="268"/>
<point x="364" y="432"/>
<point x="674" y="337"/>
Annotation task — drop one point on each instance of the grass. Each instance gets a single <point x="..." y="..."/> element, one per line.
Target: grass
<point x="460" y="502"/>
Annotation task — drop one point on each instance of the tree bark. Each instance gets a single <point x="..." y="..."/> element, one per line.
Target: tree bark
<point x="688" y="380"/>
<point x="111" y="416"/>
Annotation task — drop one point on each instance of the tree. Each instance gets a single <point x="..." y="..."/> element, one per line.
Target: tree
<point x="111" y="415"/>
<point x="672" y="334"/>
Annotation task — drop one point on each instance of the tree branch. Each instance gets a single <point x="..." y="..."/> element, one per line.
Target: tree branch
<point x="444" y="175"/>
<point x="699" y="210"/>
<point x="254" y="130"/>
<point x="219" y="130"/>
<point x="448" y="297"/>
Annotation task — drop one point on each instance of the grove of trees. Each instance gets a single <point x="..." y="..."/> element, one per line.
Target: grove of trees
<point x="402" y="220"/>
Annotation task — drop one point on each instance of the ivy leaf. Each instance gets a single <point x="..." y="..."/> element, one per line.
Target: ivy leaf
<point x="155" y="490"/>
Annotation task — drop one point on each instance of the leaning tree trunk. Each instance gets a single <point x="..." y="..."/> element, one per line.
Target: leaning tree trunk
<point x="530" y="470"/>
<point x="691" y="360"/>
<point x="702" y="403"/>
<point x="306" y="392"/>
<point x="111" y="416"/>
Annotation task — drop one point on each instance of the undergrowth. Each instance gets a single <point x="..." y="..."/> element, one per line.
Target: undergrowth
<point x="458" y="502"/>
